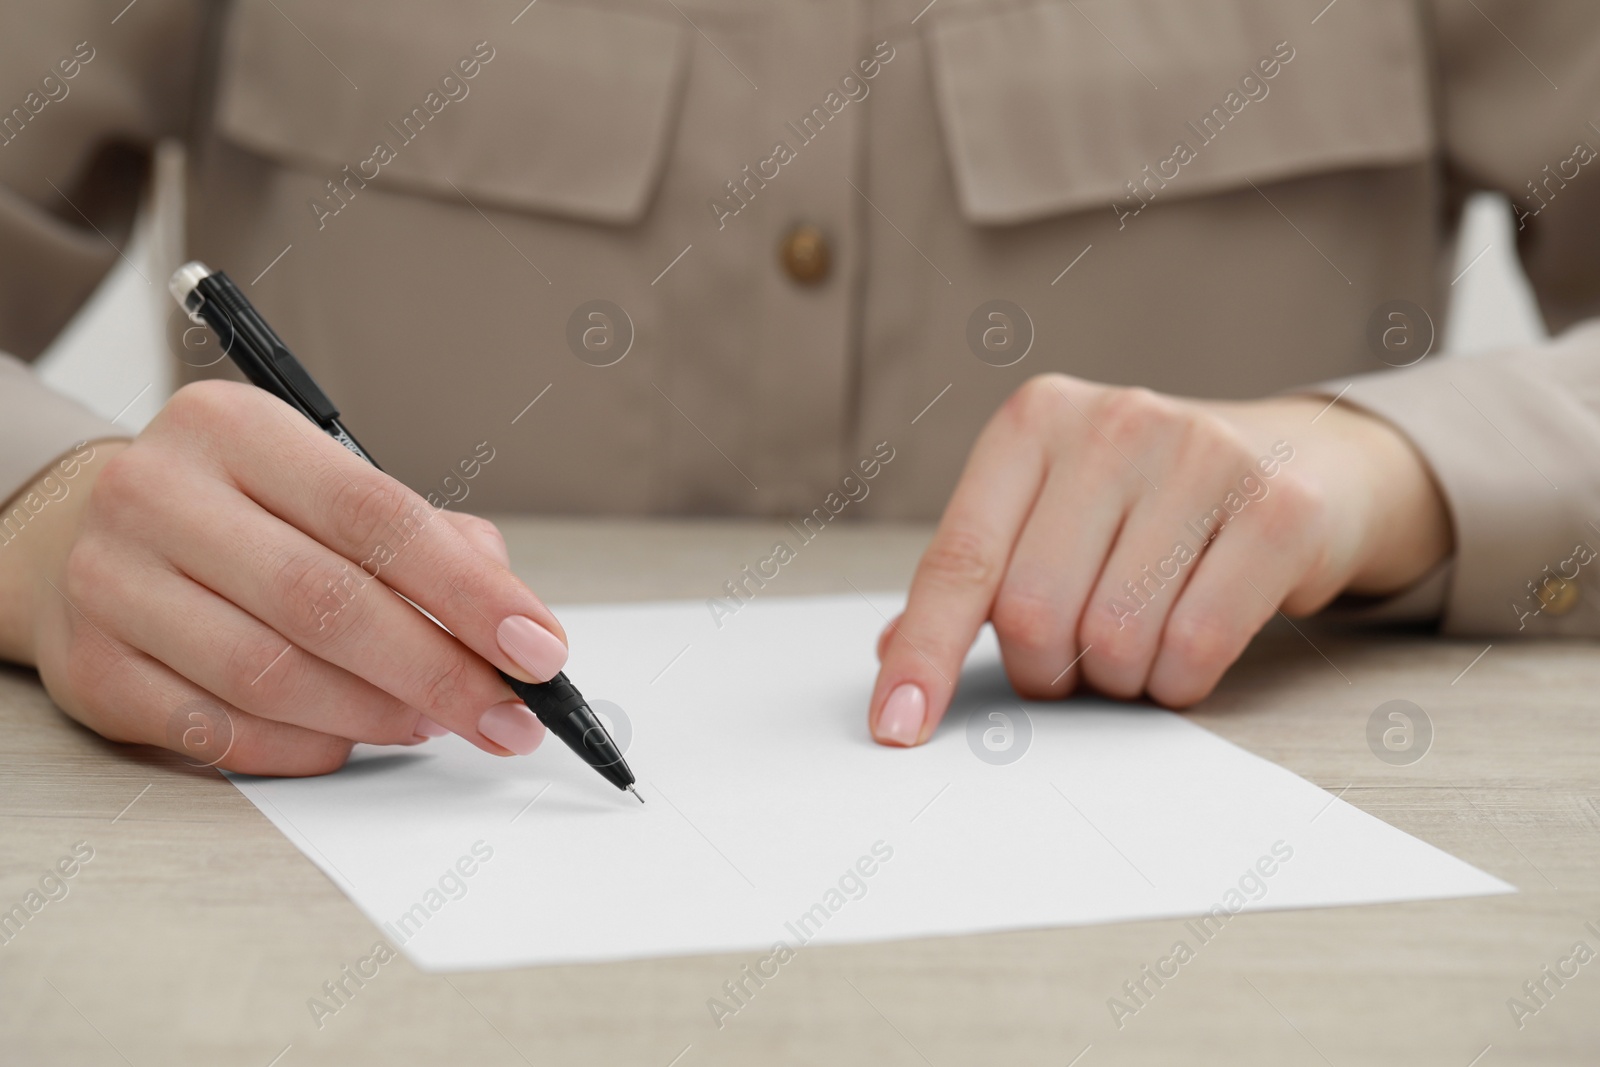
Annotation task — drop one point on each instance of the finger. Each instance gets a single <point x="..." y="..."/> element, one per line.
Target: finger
<point x="956" y="579"/>
<point x="886" y="632"/>
<point x="125" y="695"/>
<point x="225" y="651"/>
<point x="1056" y="562"/>
<point x="1163" y="538"/>
<point x="362" y="514"/>
<point x="1144" y="574"/>
<point x="327" y="606"/>
<point x="1251" y="567"/>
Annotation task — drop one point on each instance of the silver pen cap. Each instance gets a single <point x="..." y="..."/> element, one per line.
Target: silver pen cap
<point x="184" y="279"/>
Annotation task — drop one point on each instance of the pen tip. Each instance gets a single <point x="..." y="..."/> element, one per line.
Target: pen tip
<point x="636" y="795"/>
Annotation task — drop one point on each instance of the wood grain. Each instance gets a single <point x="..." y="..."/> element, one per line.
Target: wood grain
<point x="197" y="933"/>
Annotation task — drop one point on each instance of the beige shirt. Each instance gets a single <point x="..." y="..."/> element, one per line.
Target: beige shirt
<point x="568" y="233"/>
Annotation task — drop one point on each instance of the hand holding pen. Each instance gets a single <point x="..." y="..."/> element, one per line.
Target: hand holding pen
<point x="213" y="300"/>
<point x="211" y="568"/>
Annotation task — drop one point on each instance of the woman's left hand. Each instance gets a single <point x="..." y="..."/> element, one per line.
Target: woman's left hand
<point x="1135" y="542"/>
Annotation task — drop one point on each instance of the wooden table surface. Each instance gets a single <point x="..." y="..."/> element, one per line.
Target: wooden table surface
<point x="197" y="933"/>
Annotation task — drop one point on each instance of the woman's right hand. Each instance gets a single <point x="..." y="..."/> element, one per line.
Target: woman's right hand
<point x="225" y="586"/>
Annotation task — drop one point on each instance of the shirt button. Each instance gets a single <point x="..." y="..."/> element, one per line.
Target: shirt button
<point x="806" y="255"/>
<point x="1558" y="595"/>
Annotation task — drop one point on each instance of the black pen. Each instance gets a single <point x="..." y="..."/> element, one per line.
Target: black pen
<point x="211" y="299"/>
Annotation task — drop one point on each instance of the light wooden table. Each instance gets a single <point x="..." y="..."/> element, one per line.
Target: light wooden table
<point x="197" y="933"/>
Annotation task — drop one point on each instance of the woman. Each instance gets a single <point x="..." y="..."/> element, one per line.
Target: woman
<point x="618" y="258"/>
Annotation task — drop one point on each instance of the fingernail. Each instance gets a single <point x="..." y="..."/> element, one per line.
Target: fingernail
<point x="901" y="719"/>
<point x="426" y="727"/>
<point x="535" y="649"/>
<point x="511" y="725"/>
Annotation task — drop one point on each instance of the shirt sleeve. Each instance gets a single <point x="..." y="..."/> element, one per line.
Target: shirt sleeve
<point x="40" y="426"/>
<point x="1513" y="437"/>
<point x="83" y="99"/>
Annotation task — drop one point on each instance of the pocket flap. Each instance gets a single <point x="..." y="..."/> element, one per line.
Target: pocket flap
<point x="569" y="109"/>
<point x="1051" y="107"/>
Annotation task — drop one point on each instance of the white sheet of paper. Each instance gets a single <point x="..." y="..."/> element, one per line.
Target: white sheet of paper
<point x="768" y="804"/>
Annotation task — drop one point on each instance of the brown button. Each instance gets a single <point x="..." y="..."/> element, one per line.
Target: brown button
<point x="806" y="255"/>
<point x="1558" y="595"/>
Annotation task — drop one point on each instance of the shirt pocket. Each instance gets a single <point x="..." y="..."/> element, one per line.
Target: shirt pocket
<point x="568" y="110"/>
<point x="1050" y="107"/>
